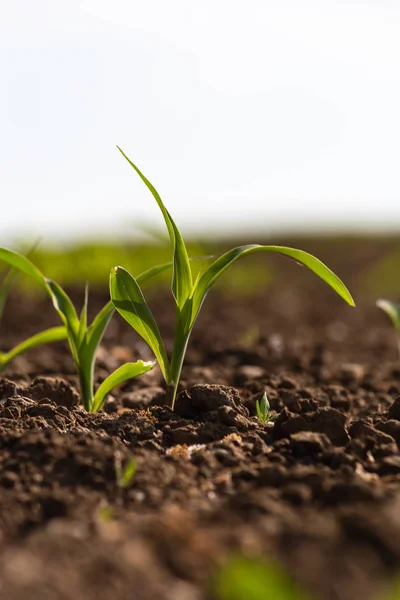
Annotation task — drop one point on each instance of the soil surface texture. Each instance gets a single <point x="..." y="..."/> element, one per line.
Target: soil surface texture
<point x="318" y="490"/>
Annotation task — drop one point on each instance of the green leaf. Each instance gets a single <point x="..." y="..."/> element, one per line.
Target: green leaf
<point x="5" y="287"/>
<point x="259" y="412"/>
<point x="22" y="263"/>
<point x="265" y="405"/>
<point x="67" y="312"/>
<point x="127" y="371"/>
<point x="263" y="408"/>
<point x="87" y="352"/>
<point x="129" y="301"/>
<point x="125" y="476"/>
<point x="83" y="317"/>
<point x="146" y="275"/>
<point x="392" y="309"/>
<point x="96" y="330"/>
<point x="54" y="334"/>
<point x="218" y="267"/>
<point x="244" y="579"/>
<point x="182" y="277"/>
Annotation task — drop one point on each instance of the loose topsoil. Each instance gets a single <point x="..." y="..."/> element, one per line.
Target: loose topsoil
<point x="318" y="491"/>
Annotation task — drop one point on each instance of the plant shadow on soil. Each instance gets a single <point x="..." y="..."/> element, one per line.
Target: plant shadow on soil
<point x="318" y="490"/>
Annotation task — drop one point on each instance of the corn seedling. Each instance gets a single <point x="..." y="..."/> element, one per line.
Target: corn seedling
<point x="189" y="293"/>
<point x="392" y="309"/>
<point x="263" y="410"/>
<point x="83" y="339"/>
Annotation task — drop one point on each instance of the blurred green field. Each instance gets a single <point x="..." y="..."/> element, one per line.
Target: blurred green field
<point x="369" y="265"/>
<point x="92" y="263"/>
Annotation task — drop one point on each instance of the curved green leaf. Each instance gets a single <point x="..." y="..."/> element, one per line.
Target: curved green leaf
<point x="127" y="371"/>
<point x="96" y="330"/>
<point x="83" y="318"/>
<point x="146" y="275"/>
<point x="54" y="334"/>
<point x="182" y="277"/>
<point x="218" y="267"/>
<point x="126" y="474"/>
<point x="392" y="309"/>
<point x="63" y="305"/>
<point x="4" y="289"/>
<point x="22" y="263"/>
<point x="129" y="301"/>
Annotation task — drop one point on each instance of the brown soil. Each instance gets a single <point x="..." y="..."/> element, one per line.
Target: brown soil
<point x="318" y="490"/>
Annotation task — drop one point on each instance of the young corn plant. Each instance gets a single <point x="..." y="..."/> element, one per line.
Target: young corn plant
<point x="83" y="339"/>
<point x="392" y="309"/>
<point x="53" y="334"/>
<point x="189" y="293"/>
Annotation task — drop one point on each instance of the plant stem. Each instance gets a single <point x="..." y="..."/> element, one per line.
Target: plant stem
<point x="178" y="356"/>
<point x="86" y="386"/>
<point x="171" y="395"/>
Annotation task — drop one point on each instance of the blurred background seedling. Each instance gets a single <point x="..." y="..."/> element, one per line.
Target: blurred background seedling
<point x="392" y="309"/>
<point x="125" y="471"/>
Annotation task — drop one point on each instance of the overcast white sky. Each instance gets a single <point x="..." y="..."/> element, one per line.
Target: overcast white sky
<point x="279" y="114"/>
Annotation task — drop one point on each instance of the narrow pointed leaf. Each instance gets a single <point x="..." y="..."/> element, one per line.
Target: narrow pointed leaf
<point x="260" y="414"/>
<point x="127" y="371"/>
<point x="392" y="309"/>
<point x="182" y="284"/>
<point x="126" y="475"/>
<point x="83" y="317"/>
<point x="155" y="194"/>
<point x="96" y="330"/>
<point x="5" y="287"/>
<point x="64" y="307"/>
<point x="218" y="267"/>
<point x="54" y="334"/>
<point x="23" y="264"/>
<point x="150" y="273"/>
<point x="182" y="277"/>
<point x="129" y="301"/>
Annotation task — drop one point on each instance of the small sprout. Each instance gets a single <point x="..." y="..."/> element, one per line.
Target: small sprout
<point x="106" y="513"/>
<point x="392" y="309"/>
<point x="126" y="473"/>
<point x="251" y="336"/>
<point x="263" y="410"/>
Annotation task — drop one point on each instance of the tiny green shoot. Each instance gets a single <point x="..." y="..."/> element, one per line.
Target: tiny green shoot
<point x="126" y="473"/>
<point x="83" y="339"/>
<point x="263" y="410"/>
<point x="392" y="309"/>
<point x="106" y="513"/>
<point x="189" y="293"/>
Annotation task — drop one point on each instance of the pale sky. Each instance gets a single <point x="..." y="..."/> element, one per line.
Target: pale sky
<point x="279" y="114"/>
